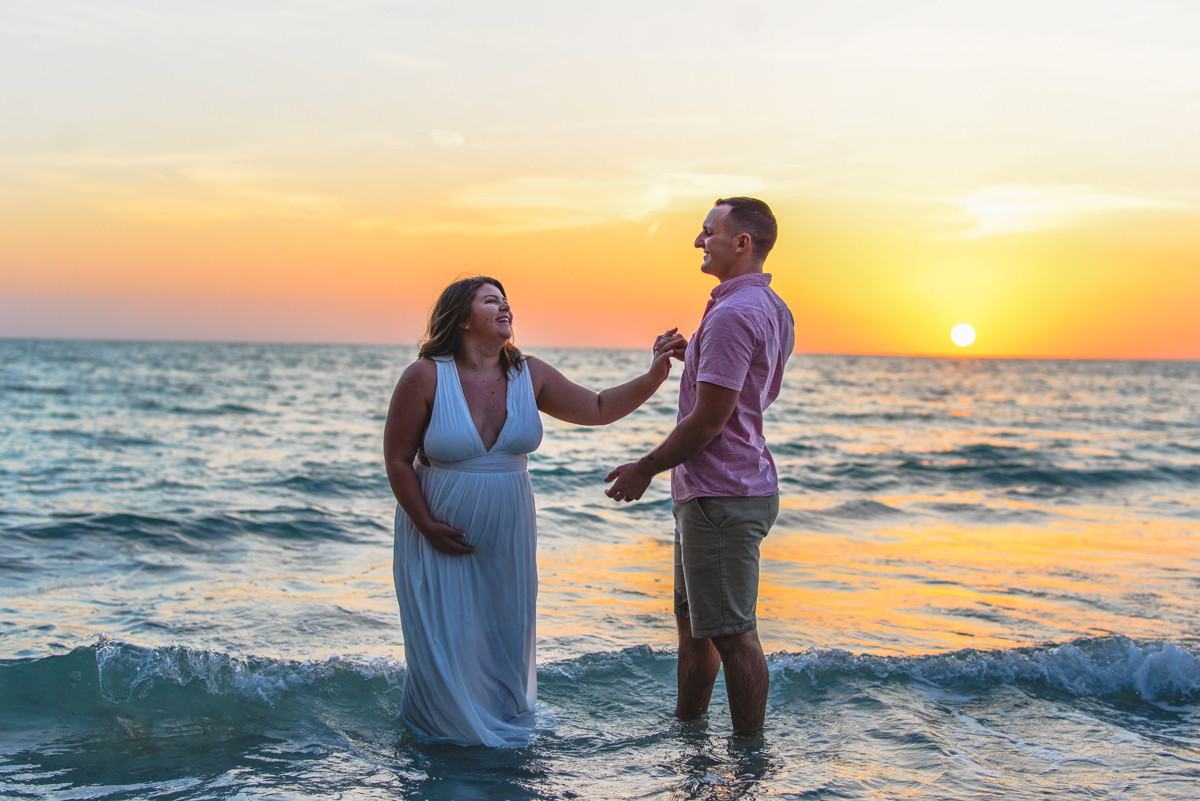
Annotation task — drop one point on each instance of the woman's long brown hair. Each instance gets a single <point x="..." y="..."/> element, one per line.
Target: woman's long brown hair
<point x="443" y="336"/>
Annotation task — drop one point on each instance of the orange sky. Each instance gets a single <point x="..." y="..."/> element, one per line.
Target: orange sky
<point x="317" y="172"/>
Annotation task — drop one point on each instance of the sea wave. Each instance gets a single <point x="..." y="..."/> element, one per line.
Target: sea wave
<point x="122" y="669"/>
<point x="324" y="481"/>
<point x="985" y="467"/>
<point x="108" y="672"/>
<point x="211" y="411"/>
<point x="35" y="389"/>
<point x="192" y="533"/>
<point x="116" y="720"/>
<point x="1015" y="474"/>
<point x="1097" y="667"/>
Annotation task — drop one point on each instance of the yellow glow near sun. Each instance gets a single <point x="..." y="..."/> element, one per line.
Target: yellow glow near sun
<point x="962" y="334"/>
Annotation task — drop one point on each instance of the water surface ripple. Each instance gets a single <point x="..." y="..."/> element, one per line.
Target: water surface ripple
<point x="982" y="585"/>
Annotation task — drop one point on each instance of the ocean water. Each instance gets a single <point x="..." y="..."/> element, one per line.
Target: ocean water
<point x="983" y="584"/>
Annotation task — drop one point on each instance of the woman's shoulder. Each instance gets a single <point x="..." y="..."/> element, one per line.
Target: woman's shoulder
<point x="417" y="386"/>
<point x="533" y="364"/>
<point x="421" y="373"/>
<point x="538" y="371"/>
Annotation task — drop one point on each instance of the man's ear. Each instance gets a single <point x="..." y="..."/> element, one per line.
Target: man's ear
<point x="742" y="243"/>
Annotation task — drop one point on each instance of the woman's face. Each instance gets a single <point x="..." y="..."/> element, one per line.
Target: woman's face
<point x="491" y="316"/>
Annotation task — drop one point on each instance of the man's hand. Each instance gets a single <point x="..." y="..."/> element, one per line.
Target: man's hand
<point x="631" y="481"/>
<point x="678" y="342"/>
<point x="666" y="346"/>
<point x="447" y="539"/>
<point x="714" y="405"/>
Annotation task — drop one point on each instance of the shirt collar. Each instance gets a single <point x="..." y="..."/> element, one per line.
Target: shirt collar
<point x="734" y="284"/>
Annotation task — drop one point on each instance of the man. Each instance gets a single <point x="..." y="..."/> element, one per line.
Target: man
<point x="723" y="481"/>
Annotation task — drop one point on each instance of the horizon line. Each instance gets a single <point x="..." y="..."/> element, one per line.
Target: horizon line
<point x="298" y="343"/>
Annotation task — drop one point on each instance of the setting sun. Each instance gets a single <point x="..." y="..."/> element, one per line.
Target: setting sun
<point x="962" y="334"/>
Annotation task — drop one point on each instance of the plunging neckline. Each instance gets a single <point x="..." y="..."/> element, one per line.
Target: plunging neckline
<point x="508" y="415"/>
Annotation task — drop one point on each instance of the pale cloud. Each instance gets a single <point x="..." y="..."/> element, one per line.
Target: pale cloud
<point x="409" y="227"/>
<point x="988" y="89"/>
<point x="395" y="59"/>
<point x="546" y="202"/>
<point x="525" y="204"/>
<point x="173" y="188"/>
<point x="380" y="138"/>
<point x="948" y="53"/>
<point x="1012" y="208"/>
<point x="447" y="139"/>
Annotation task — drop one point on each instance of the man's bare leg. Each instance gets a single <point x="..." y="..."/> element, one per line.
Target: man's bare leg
<point x="698" y="666"/>
<point x="746" y="679"/>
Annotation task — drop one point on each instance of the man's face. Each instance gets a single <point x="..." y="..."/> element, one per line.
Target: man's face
<point x="717" y="244"/>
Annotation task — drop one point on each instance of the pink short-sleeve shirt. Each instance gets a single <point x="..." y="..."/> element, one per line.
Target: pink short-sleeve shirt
<point x="743" y="342"/>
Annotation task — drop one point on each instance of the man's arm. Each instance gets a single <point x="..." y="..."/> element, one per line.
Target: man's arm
<point x="714" y="406"/>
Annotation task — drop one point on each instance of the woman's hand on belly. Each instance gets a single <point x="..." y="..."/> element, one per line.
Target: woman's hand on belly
<point x="447" y="539"/>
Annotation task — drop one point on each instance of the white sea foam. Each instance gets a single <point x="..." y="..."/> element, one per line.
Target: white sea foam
<point x="1095" y="667"/>
<point x="123" y="668"/>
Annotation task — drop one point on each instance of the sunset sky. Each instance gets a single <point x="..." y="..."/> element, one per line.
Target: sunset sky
<point x="318" y="171"/>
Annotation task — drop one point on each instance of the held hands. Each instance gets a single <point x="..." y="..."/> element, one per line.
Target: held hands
<point x="668" y="345"/>
<point x="447" y="539"/>
<point x="631" y="481"/>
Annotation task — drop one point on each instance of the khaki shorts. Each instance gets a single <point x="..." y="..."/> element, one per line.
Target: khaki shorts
<point x="716" y="561"/>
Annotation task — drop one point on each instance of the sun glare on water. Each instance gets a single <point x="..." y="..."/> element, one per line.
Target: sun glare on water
<point x="962" y="334"/>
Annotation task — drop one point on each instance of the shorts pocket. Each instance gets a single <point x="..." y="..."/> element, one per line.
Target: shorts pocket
<point x="714" y="511"/>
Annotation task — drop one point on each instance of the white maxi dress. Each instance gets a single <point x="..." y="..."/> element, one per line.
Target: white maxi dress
<point x="469" y="621"/>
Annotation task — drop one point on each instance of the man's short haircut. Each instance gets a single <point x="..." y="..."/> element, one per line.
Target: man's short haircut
<point x="750" y="215"/>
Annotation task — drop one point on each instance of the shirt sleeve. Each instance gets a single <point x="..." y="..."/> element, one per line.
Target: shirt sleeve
<point x="726" y="349"/>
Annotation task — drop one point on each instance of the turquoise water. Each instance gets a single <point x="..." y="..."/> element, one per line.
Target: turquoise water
<point x="982" y="585"/>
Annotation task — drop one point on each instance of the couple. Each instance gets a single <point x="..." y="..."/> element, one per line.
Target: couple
<point x="461" y="422"/>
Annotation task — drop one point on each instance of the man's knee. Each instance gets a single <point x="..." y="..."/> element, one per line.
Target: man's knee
<point x="688" y="641"/>
<point x="731" y="645"/>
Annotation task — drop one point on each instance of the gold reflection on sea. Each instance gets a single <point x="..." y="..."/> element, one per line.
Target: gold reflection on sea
<point x="907" y="589"/>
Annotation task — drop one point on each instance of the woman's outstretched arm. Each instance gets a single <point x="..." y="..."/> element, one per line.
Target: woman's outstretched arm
<point x="560" y="397"/>
<point x="408" y="415"/>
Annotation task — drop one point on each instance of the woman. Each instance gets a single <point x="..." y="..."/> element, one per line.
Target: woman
<point x="466" y="578"/>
